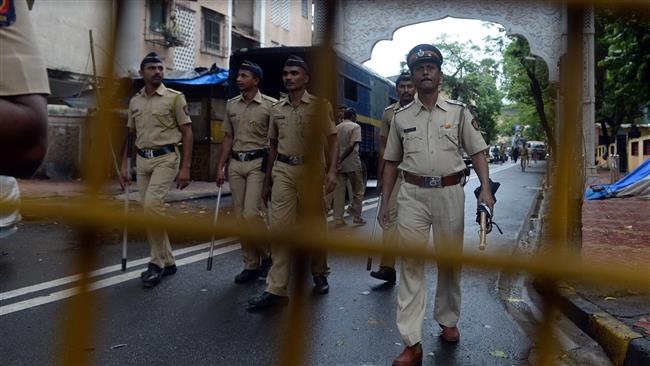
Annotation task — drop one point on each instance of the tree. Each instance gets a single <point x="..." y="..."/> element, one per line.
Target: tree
<point x="526" y="84"/>
<point x="623" y="66"/>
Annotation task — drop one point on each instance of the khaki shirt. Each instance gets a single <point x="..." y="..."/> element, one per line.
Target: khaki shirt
<point x="427" y="143"/>
<point x="386" y="118"/>
<point x="347" y="133"/>
<point x="291" y="126"/>
<point x="248" y="124"/>
<point x="157" y="118"/>
<point x="22" y="70"/>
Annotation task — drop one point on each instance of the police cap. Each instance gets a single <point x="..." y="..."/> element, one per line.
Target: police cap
<point x="294" y="60"/>
<point x="423" y="53"/>
<point x="150" y="58"/>
<point x="252" y="67"/>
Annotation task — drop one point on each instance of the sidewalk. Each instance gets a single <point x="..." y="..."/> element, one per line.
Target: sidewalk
<point x="615" y="230"/>
<point x="40" y="189"/>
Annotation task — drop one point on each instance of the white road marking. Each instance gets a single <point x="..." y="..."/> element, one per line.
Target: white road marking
<point x="123" y="277"/>
<point x="110" y="281"/>
<point x="102" y="271"/>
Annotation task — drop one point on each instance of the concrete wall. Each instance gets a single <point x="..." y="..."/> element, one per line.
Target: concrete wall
<point x="299" y="33"/>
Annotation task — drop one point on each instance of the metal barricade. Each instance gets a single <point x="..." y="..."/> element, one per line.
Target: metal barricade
<point x="614" y="173"/>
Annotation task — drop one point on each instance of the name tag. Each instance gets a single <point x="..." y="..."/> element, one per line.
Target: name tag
<point x="411" y="129"/>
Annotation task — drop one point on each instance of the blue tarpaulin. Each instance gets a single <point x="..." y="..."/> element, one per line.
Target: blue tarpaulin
<point x="211" y="78"/>
<point x="638" y="176"/>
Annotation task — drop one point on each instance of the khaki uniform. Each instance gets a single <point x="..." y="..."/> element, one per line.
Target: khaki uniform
<point x="22" y="70"/>
<point x="156" y="120"/>
<point x="427" y="143"/>
<point x="390" y="233"/>
<point x="291" y="127"/>
<point x="349" y="132"/>
<point x="249" y="126"/>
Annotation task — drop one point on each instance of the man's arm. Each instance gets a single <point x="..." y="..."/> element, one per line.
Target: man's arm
<point x="381" y="162"/>
<point x="128" y="149"/>
<point x="183" y="179"/>
<point x="23" y="140"/>
<point x="333" y="150"/>
<point x="226" y="149"/>
<point x="268" y="180"/>
<point x="482" y="171"/>
<point x="348" y="151"/>
<point x="389" y="177"/>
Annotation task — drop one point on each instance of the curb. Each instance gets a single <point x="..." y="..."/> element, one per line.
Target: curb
<point x="624" y="346"/>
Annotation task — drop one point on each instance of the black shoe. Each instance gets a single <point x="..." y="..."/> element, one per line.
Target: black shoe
<point x="320" y="284"/>
<point x="385" y="273"/>
<point x="167" y="271"/>
<point x="247" y="275"/>
<point x="265" y="267"/>
<point x="267" y="300"/>
<point x="152" y="276"/>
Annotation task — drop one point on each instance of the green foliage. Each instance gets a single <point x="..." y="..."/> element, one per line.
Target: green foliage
<point x="526" y="85"/>
<point x="623" y="65"/>
<point x="472" y="81"/>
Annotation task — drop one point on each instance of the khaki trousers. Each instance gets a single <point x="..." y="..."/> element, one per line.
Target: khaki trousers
<point x="285" y="207"/>
<point x="246" y="182"/>
<point x="390" y="236"/>
<point x="155" y="176"/>
<point x="358" y="189"/>
<point x="421" y="210"/>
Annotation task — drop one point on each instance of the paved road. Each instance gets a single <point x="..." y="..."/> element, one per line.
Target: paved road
<point x="199" y="317"/>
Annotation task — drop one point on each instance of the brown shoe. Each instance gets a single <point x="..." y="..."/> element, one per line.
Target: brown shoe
<point x="411" y="356"/>
<point x="450" y="334"/>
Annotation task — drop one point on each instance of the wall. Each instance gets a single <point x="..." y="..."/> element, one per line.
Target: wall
<point x="299" y="33"/>
<point x="62" y="33"/>
<point x="635" y="161"/>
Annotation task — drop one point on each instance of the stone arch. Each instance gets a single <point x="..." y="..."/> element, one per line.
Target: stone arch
<point x="364" y="23"/>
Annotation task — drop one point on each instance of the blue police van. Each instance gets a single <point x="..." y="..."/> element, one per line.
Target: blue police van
<point x="356" y="86"/>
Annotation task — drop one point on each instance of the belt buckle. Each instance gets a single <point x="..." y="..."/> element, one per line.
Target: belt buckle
<point x="148" y="153"/>
<point x="294" y="160"/>
<point x="242" y="156"/>
<point x="433" y="182"/>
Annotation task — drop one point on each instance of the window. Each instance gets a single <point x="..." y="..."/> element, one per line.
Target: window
<point x="212" y="29"/>
<point x="646" y="147"/>
<point x="157" y="15"/>
<point x="305" y="8"/>
<point x="635" y="148"/>
<point x="349" y="89"/>
<point x="280" y="13"/>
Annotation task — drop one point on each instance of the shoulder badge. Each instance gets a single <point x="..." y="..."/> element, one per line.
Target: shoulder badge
<point x="451" y="101"/>
<point x="234" y="98"/>
<point x="271" y="99"/>
<point x="7" y="13"/>
<point x="397" y="110"/>
<point x="174" y="91"/>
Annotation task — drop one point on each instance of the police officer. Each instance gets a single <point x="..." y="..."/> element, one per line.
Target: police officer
<point x="159" y="120"/>
<point x="349" y="169"/>
<point x="406" y="91"/>
<point x="292" y="121"/>
<point x="23" y="93"/>
<point x="424" y="143"/>
<point x="246" y="129"/>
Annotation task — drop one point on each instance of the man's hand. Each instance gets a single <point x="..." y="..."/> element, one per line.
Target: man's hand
<point x="221" y="176"/>
<point x="330" y="182"/>
<point x="183" y="179"/>
<point x="382" y="216"/>
<point x="125" y="176"/>
<point x="486" y="197"/>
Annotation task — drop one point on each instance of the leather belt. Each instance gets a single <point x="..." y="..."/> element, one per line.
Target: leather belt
<point x="291" y="159"/>
<point x="153" y="153"/>
<point x="436" y="181"/>
<point x="248" y="155"/>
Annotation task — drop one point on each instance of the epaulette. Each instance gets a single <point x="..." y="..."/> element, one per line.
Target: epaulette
<point x="271" y="99"/>
<point x="451" y="101"/>
<point x="280" y="101"/>
<point x="174" y="91"/>
<point x="234" y="98"/>
<point x="390" y="106"/>
<point x="397" y="110"/>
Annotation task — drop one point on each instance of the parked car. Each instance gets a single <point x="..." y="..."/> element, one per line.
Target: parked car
<point x="536" y="150"/>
